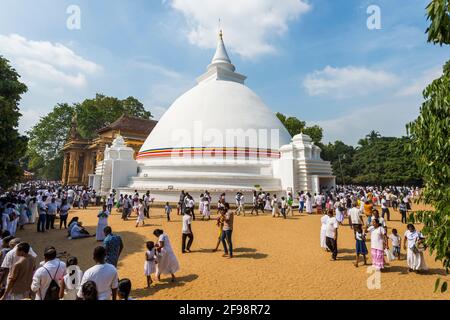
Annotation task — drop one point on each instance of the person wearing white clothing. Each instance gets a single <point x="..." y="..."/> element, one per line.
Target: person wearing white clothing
<point x="11" y="258"/>
<point x="52" y="269"/>
<point x="103" y="274"/>
<point x="323" y="229"/>
<point x="141" y="213"/>
<point x="102" y="223"/>
<point x="414" y="257"/>
<point x="167" y="261"/>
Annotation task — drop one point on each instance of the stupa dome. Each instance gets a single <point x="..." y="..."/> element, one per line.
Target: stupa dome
<point x="219" y="115"/>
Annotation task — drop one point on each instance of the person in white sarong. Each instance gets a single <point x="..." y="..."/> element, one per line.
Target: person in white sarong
<point x="323" y="231"/>
<point x="102" y="223"/>
<point x="23" y="216"/>
<point x="167" y="261"/>
<point x="414" y="257"/>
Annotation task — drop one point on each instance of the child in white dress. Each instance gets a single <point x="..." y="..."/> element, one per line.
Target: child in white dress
<point x="150" y="262"/>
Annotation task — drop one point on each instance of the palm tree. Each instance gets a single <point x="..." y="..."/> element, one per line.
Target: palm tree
<point x="373" y="135"/>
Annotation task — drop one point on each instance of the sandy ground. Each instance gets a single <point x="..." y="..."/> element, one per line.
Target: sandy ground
<point x="274" y="259"/>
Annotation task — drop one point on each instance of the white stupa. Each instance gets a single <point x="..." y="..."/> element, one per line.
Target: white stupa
<point x="221" y="137"/>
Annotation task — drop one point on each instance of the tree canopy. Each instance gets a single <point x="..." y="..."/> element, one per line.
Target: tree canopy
<point x="430" y="145"/>
<point x="12" y="144"/>
<point x="50" y="134"/>
<point x="295" y="126"/>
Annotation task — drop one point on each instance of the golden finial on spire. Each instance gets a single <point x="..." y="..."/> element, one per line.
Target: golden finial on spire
<point x="220" y="30"/>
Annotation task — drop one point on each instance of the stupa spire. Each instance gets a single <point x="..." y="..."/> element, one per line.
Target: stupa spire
<point x="221" y="56"/>
<point x="221" y="67"/>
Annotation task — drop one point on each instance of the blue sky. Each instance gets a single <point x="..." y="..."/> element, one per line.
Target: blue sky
<point x="315" y="59"/>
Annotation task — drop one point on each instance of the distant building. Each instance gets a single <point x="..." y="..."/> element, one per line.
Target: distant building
<point x="82" y="156"/>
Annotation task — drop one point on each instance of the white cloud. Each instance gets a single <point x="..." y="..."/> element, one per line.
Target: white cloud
<point x="389" y="119"/>
<point x="417" y="86"/>
<point x="248" y="26"/>
<point x="43" y="62"/>
<point x="159" y="69"/>
<point x="347" y="81"/>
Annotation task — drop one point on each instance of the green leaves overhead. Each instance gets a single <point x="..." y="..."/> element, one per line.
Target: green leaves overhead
<point x="438" y="13"/>
<point x="50" y="134"/>
<point x="12" y="144"/>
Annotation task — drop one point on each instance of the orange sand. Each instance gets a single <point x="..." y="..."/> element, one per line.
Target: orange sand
<point x="274" y="259"/>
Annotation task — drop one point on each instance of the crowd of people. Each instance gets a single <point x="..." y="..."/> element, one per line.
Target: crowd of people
<point x="359" y="205"/>
<point x="40" y="203"/>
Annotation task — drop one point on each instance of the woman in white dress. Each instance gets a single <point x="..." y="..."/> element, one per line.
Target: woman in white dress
<point x="167" y="261"/>
<point x="32" y="206"/>
<point x="267" y="205"/>
<point x="141" y="213"/>
<point x="323" y="231"/>
<point x="274" y="205"/>
<point x="339" y="211"/>
<point x="414" y="257"/>
<point x="309" y="204"/>
<point x="206" y="207"/>
<point x="150" y="262"/>
<point x="102" y="223"/>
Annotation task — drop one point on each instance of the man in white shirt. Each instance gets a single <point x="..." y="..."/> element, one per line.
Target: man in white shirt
<point x="331" y="234"/>
<point x="187" y="232"/>
<point x="42" y="212"/>
<point x="11" y="257"/>
<point x="52" y="269"/>
<point x="355" y="216"/>
<point x="103" y="274"/>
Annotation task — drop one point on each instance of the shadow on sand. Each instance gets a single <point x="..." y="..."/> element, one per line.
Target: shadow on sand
<point x="164" y="284"/>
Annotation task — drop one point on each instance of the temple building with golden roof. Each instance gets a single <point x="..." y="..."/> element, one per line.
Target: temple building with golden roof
<point x="82" y="156"/>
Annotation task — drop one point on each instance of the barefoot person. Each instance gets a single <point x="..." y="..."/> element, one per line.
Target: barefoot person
<point x="102" y="223"/>
<point x="414" y="256"/>
<point x="141" y="213"/>
<point x="361" y="248"/>
<point x="331" y="234"/>
<point x="167" y="261"/>
<point x="113" y="245"/>
<point x="227" y="231"/>
<point x="187" y="232"/>
<point x="378" y="241"/>
<point x="150" y="262"/>
<point x="219" y="224"/>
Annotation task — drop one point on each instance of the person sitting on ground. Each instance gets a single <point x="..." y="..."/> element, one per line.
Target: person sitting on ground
<point x="79" y="232"/>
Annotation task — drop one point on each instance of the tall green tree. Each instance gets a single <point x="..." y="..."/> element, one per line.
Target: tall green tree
<point x="50" y="134"/>
<point x="438" y="13"/>
<point x="295" y="126"/>
<point x="430" y="144"/>
<point x="46" y="139"/>
<point x="93" y="114"/>
<point x="430" y="135"/>
<point x="12" y="144"/>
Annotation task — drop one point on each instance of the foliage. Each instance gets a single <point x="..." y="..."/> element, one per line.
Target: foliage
<point x="295" y="126"/>
<point x="94" y="114"/>
<point x="12" y="144"/>
<point x="46" y="140"/>
<point x="50" y="134"/>
<point x="438" y="13"/>
<point x="430" y="144"/>
<point x="377" y="160"/>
